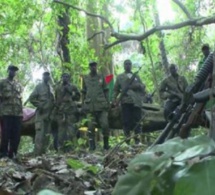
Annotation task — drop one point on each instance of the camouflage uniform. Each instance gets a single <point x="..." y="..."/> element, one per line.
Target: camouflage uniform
<point x="96" y="105"/>
<point x="131" y="103"/>
<point x="11" y="116"/>
<point x="43" y="99"/>
<point x="171" y="90"/>
<point x="66" y="113"/>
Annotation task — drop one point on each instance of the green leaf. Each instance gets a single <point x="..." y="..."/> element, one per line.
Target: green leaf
<point x="81" y="141"/>
<point x="75" y="164"/>
<point x="201" y="149"/>
<point x="197" y="180"/>
<point x="133" y="184"/>
<point x="157" y="170"/>
<point x="92" y="168"/>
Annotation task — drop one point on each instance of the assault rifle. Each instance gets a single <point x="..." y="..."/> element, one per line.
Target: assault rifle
<point x="181" y="114"/>
<point x="195" y="117"/>
<point x="126" y="88"/>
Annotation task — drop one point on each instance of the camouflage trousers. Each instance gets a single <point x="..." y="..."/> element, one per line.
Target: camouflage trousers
<point x="66" y="132"/>
<point x="42" y="136"/>
<point x="95" y="119"/>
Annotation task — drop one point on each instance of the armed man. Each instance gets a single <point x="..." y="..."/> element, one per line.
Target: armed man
<point x="43" y="99"/>
<point x="11" y="113"/>
<point x="131" y="101"/>
<point x="95" y="97"/>
<point x="189" y="111"/>
<point x="172" y="89"/>
<point x="66" y="111"/>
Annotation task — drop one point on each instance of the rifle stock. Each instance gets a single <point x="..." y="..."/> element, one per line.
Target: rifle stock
<point x="193" y="118"/>
<point x="195" y="115"/>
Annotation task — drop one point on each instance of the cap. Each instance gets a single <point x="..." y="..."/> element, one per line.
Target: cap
<point x="127" y="61"/>
<point x="206" y="45"/>
<point x="172" y="66"/>
<point x="46" y="73"/>
<point x="92" y="63"/>
<point x="12" y="67"/>
<point x="65" y="74"/>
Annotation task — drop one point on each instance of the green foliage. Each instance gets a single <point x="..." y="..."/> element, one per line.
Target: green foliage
<point x="82" y="142"/>
<point x="175" y="167"/>
<point x="30" y="33"/>
<point x="26" y="145"/>
<point x="77" y="164"/>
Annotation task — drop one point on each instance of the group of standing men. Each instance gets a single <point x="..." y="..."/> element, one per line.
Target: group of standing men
<point x="58" y="108"/>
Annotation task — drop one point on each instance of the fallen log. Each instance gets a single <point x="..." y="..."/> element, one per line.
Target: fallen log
<point x="153" y="119"/>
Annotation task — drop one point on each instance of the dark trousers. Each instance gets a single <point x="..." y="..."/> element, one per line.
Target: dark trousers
<point x="131" y="117"/>
<point x="169" y="108"/>
<point x="10" y="135"/>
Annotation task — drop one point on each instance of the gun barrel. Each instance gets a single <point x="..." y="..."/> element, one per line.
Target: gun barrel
<point x="206" y="69"/>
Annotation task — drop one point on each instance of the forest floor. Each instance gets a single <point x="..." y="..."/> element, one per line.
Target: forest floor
<point x="79" y="173"/>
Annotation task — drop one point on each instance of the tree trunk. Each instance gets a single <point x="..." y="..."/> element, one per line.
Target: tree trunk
<point x="96" y="27"/>
<point x="162" y="48"/>
<point x="63" y="39"/>
<point x="93" y="26"/>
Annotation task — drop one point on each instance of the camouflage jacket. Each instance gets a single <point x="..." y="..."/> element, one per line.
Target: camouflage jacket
<point x="133" y="96"/>
<point x="10" y="98"/>
<point x="65" y="96"/>
<point x="95" y="93"/>
<point x="43" y="99"/>
<point x="172" y="88"/>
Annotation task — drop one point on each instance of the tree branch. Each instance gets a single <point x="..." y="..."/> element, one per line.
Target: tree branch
<point x="126" y="37"/>
<point x="183" y="8"/>
<point x="193" y="22"/>
<point x="95" y="34"/>
<point x="86" y="12"/>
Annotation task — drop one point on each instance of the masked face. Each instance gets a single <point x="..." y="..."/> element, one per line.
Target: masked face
<point x="173" y="70"/>
<point x="11" y="73"/>
<point x="206" y="51"/>
<point x="93" y="68"/>
<point x="46" y="78"/>
<point x="65" y="79"/>
<point x="127" y="66"/>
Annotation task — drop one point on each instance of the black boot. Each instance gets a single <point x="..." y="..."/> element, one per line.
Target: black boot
<point x="92" y="145"/>
<point x="106" y="143"/>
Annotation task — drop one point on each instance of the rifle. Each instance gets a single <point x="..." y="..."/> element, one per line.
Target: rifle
<point x="125" y="90"/>
<point x="195" y="115"/>
<point x="182" y="112"/>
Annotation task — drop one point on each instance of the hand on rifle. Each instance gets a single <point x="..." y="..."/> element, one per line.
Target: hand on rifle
<point x="115" y="103"/>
